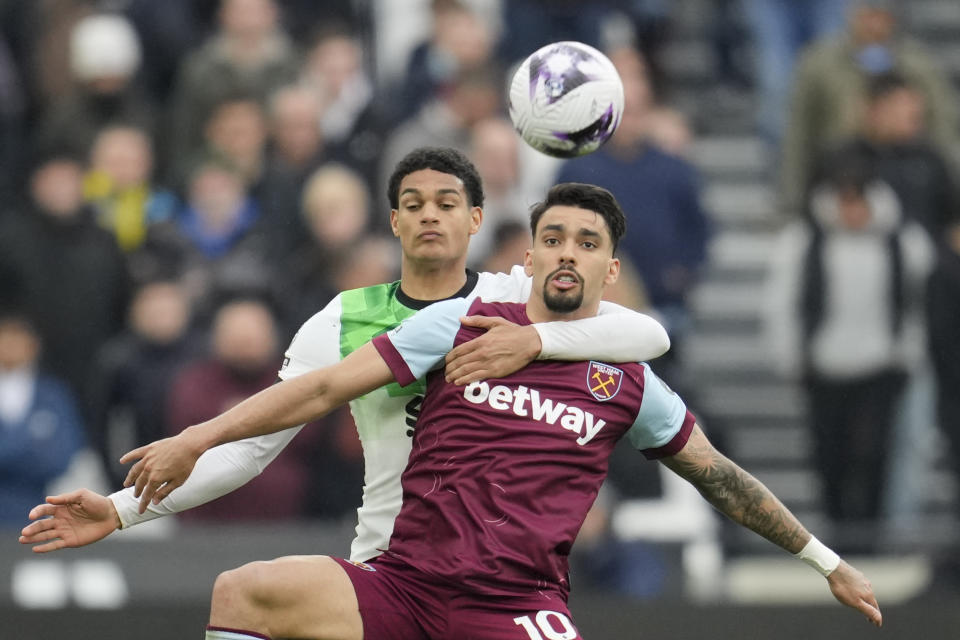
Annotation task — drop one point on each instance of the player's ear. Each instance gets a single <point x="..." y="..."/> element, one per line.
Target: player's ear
<point x="393" y="223"/>
<point x="476" y="219"/>
<point x="528" y="262"/>
<point x="613" y="271"/>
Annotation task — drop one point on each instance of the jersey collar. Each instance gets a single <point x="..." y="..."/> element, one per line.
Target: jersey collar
<point x="413" y="303"/>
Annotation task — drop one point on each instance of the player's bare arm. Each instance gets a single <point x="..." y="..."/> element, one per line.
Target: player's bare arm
<point x="736" y="493"/>
<point x="73" y="519"/>
<point x="164" y="465"/>
<point x="747" y="501"/>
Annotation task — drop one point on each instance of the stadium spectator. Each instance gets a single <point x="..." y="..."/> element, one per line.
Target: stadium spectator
<point x="531" y="24"/>
<point x="459" y="41"/>
<point x="248" y="54"/>
<point x="74" y="276"/>
<point x="294" y="126"/>
<point x="668" y="229"/>
<point x="296" y="148"/>
<point x="334" y="215"/>
<point x="244" y="358"/>
<point x="336" y="207"/>
<point x="830" y="84"/>
<point x="236" y="133"/>
<point x="780" y="31"/>
<point x="40" y="426"/>
<point x="494" y="149"/>
<point x="40" y="34"/>
<point x="218" y="224"/>
<point x="169" y="32"/>
<point x="943" y="315"/>
<point x="300" y="17"/>
<point x="374" y="260"/>
<point x="844" y="317"/>
<point x="352" y="119"/>
<point x="670" y="130"/>
<point x="133" y="371"/>
<point x="104" y="60"/>
<point x="728" y="37"/>
<point x="13" y="104"/>
<point x="896" y="142"/>
<point x="510" y="240"/>
<point x="119" y="185"/>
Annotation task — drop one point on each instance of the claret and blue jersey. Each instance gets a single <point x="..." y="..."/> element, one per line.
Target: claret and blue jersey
<point x="502" y="472"/>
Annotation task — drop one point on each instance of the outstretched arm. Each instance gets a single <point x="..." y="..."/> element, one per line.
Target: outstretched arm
<point x="164" y="465"/>
<point x="73" y="519"/>
<point x="746" y="500"/>
<point x="83" y="517"/>
<point x="616" y="335"/>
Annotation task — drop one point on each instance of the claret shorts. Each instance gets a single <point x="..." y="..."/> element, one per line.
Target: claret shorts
<point x="398" y="602"/>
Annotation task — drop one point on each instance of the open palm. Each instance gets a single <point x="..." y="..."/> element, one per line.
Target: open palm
<point x="70" y="520"/>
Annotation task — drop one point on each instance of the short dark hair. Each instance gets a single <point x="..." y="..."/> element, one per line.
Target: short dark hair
<point x="882" y="85"/>
<point x="583" y="196"/>
<point x="846" y="169"/>
<point x="442" y="159"/>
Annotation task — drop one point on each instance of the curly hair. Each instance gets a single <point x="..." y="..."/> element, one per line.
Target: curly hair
<point x="443" y="159"/>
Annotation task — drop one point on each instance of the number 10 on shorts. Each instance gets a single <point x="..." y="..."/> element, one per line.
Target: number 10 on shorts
<point x="546" y="625"/>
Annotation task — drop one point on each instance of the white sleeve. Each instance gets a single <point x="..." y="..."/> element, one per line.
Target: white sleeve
<point x="503" y="287"/>
<point x="616" y="335"/>
<point x="218" y="472"/>
<point x="227" y="467"/>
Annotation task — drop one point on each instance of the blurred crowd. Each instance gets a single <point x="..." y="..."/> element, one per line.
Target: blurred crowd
<point x="183" y="183"/>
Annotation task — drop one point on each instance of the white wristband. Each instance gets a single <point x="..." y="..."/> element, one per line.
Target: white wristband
<point x="819" y="556"/>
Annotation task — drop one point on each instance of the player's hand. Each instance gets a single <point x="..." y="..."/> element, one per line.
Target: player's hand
<point x="505" y="347"/>
<point x="70" y="520"/>
<point x="161" y="467"/>
<point x="852" y="588"/>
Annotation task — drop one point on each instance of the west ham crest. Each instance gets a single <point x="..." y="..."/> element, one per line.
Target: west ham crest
<point x="603" y="381"/>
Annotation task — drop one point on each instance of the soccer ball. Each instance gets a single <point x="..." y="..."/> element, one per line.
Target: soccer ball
<point x="566" y="99"/>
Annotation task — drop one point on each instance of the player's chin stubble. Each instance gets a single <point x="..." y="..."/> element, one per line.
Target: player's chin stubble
<point x="562" y="302"/>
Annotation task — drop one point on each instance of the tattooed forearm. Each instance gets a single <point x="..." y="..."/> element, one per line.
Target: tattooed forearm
<point x="737" y="494"/>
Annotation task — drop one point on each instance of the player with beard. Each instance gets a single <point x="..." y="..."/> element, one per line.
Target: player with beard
<point x="501" y="474"/>
<point x="436" y="200"/>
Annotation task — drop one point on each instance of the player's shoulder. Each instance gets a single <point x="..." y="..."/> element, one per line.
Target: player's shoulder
<point x="365" y="303"/>
<point x="450" y="309"/>
<point x="650" y="382"/>
<point x="514" y="311"/>
<point x="325" y="319"/>
<point x="377" y="295"/>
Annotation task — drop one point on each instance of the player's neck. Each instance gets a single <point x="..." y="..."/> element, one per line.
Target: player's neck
<point x="432" y="281"/>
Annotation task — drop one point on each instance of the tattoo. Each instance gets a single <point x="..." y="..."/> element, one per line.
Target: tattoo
<point x="737" y="494"/>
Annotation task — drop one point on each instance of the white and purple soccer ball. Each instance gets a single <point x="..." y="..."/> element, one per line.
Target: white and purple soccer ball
<point x="566" y="99"/>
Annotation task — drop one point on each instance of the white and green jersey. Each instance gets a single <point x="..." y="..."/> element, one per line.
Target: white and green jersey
<point x="386" y="417"/>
